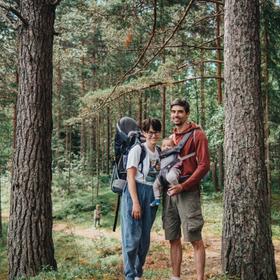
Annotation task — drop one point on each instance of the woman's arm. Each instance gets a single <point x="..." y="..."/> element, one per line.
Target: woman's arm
<point x="136" y="207"/>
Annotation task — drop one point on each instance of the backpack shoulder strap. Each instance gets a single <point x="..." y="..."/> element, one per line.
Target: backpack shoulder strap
<point x="184" y="140"/>
<point x="158" y="149"/>
<point x="142" y="156"/>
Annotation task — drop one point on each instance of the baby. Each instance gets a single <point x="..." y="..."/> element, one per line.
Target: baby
<point x="170" y="176"/>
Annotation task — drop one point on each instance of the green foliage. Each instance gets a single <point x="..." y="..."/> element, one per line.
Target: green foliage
<point x="3" y="253"/>
<point x="78" y="200"/>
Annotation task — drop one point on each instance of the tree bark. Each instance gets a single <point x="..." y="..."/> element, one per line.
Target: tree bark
<point x="266" y="104"/>
<point x="247" y="250"/>
<point x="30" y="244"/>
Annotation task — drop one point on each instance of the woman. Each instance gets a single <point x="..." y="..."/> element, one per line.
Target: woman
<point x="136" y="214"/>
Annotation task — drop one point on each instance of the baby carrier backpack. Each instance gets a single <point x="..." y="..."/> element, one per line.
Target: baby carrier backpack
<point x="128" y="134"/>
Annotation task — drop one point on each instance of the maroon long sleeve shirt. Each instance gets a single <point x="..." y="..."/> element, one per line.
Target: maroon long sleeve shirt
<point x="196" y="166"/>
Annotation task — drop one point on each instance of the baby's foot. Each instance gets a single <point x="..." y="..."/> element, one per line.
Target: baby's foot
<point x="155" y="203"/>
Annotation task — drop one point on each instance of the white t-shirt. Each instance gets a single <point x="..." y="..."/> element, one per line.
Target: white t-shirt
<point x="150" y="164"/>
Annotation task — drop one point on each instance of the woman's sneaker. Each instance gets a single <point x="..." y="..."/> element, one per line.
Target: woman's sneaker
<point x="155" y="203"/>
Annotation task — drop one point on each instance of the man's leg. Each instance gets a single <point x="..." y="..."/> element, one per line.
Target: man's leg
<point x="199" y="258"/>
<point x="176" y="256"/>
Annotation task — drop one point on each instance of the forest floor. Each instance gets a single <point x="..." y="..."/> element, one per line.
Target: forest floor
<point x="212" y="244"/>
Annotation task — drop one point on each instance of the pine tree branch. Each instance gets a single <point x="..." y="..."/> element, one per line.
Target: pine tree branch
<point x="109" y="98"/>
<point x="122" y="79"/>
<point x="128" y="73"/>
<point x="220" y="13"/>
<point x="14" y="11"/>
<point x="170" y="37"/>
<point x="199" y="62"/>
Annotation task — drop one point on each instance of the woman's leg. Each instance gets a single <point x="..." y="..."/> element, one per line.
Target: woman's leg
<point x="131" y="234"/>
<point x="148" y="217"/>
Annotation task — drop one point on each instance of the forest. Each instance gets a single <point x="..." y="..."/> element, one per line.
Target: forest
<point x="70" y="69"/>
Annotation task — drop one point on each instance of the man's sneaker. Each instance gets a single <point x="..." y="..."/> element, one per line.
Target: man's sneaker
<point x="155" y="203"/>
<point x="137" y="278"/>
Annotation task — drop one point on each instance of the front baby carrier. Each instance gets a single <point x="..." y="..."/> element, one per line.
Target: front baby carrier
<point x="128" y="134"/>
<point x="170" y="157"/>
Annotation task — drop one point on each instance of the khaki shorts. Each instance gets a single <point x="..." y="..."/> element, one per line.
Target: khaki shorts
<point x="182" y="210"/>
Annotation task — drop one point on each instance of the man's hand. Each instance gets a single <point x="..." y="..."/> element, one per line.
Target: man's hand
<point x="136" y="211"/>
<point x="175" y="190"/>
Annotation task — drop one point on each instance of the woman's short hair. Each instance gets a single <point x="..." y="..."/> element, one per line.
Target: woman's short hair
<point x="155" y="124"/>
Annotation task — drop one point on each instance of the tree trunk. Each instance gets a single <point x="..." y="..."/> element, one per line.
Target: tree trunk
<point x="202" y="92"/>
<point x="30" y="244"/>
<point x="97" y="142"/>
<point x="247" y="250"/>
<point x="140" y="108"/>
<point x="219" y="55"/>
<point x="1" y="227"/>
<point x="163" y="113"/>
<point x="59" y="114"/>
<point x="219" y="93"/>
<point x="108" y="165"/>
<point x="214" y="175"/>
<point x="145" y="106"/>
<point x="83" y="143"/>
<point x="221" y="176"/>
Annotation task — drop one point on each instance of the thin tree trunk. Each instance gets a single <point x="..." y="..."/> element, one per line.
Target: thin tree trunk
<point x="108" y="165"/>
<point x="83" y="142"/>
<point x="247" y="250"/>
<point x="214" y="175"/>
<point x="59" y="113"/>
<point x="221" y="166"/>
<point x="219" y="94"/>
<point x="163" y="111"/>
<point x="97" y="152"/>
<point x="1" y="226"/>
<point x="145" y="106"/>
<point x="30" y="244"/>
<point x="219" y="54"/>
<point x="140" y="108"/>
<point x="202" y="92"/>
<point x="68" y="146"/>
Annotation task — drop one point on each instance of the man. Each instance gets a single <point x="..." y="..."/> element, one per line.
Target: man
<point x="181" y="202"/>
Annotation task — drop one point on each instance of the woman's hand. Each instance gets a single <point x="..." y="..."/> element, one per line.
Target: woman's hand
<point x="136" y="211"/>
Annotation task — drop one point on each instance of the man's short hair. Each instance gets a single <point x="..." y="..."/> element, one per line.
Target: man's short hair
<point x="181" y="102"/>
<point x="155" y="124"/>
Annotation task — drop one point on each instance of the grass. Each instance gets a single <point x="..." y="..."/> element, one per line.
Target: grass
<point x="83" y="258"/>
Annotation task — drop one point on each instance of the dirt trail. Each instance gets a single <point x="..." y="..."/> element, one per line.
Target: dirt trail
<point x="212" y="244"/>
